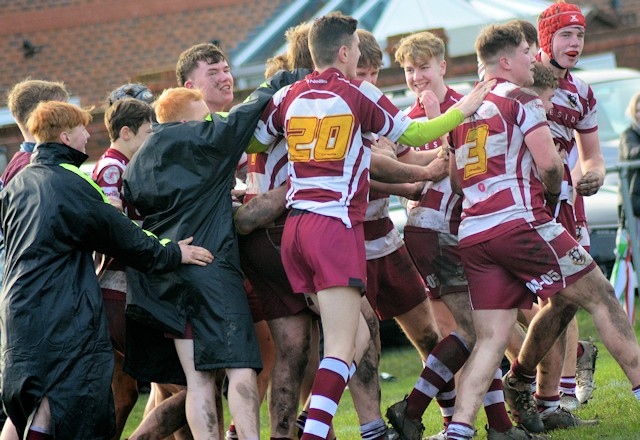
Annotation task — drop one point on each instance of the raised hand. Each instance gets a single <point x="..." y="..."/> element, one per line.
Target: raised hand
<point x="470" y="103"/>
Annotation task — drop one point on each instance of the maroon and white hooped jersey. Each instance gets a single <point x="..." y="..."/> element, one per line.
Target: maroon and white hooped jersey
<point x="108" y="172"/>
<point x="267" y="170"/>
<point x="439" y="208"/>
<point x="574" y="108"/>
<point x="381" y="237"/>
<point x="501" y="185"/>
<point x="323" y="118"/>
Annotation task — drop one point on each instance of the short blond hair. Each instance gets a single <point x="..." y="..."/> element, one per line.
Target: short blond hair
<point x="274" y="64"/>
<point x="172" y="103"/>
<point x="51" y="118"/>
<point x="298" y="54"/>
<point x="420" y="47"/>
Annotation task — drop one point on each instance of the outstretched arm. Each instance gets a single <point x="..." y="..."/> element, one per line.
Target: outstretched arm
<point x="387" y="170"/>
<point x="261" y="210"/>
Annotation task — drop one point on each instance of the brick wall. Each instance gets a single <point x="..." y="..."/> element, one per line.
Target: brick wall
<point x="96" y="45"/>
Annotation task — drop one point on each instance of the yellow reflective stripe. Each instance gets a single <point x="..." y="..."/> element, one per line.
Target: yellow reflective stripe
<point x="209" y="117"/>
<point x="75" y="169"/>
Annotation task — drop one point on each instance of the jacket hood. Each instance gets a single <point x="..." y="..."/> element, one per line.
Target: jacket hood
<point x="53" y="153"/>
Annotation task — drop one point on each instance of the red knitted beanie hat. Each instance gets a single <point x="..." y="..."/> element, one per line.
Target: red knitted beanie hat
<point x="555" y="17"/>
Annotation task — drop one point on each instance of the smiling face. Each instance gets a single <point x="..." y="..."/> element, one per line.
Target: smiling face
<point x="424" y="75"/>
<point x="76" y="138"/>
<point x="521" y="63"/>
<point x="567" y="46"/>
<point x="215" y="82"/>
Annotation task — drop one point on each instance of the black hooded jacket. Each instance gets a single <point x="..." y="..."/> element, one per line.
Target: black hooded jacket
<point x="55" y="339"/>
<point x="180" y="181"/>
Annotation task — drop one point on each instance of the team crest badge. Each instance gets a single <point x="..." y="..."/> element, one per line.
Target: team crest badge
<point x="577" y="256"/>
<point x="111" y="175"/>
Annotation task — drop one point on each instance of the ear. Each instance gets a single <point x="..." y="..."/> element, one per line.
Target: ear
<point x="443" y="67"/>
<point x="505" y="63"/>
<point x="343" y="54"/>
<point x="188" y="84"/>
<point x="64" y="138"/>
<point x="125" y="133"/>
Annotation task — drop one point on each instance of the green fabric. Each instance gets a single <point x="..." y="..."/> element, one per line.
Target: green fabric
<point x="421" y="132"/>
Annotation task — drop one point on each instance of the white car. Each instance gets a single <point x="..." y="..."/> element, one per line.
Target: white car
<point x="613" y="88"/>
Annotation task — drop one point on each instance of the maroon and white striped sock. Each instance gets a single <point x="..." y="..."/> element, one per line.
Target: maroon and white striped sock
<point x="328" y="386"/>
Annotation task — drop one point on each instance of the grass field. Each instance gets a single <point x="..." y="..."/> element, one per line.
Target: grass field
<point x="612" y="401"/>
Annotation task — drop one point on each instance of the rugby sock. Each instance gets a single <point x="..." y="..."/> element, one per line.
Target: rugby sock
<point x="446" y="399"/>
<point x="521" y="374"/>
<point x="35" y="433"/>
<point x="497" y="415"/>
<point x="636" y="392"/>
<point x="568" y="386"/>
<point x="444" y="361"/>
<point x="547" y="404"/>
<point x="231" y="433"/>
<point x="300" y="421"/>
<point x="328" y="386"/>
<point x="352" y="370"/>
<point x="375" y="430"/>
<point x="459" y="431"/>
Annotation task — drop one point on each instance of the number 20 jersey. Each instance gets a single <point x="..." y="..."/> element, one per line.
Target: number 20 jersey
<point x="323" y="118"/>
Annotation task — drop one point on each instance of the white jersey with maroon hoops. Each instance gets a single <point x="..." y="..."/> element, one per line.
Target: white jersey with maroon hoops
<point x="323" y="118"/>
<point x="574" y="108"/>
<point x="107" y="173"/>
<point x="381" y="236"/>
<point x="501" y="185"/>
<point x="267" y="170"/>
<point x="439" y="207"/>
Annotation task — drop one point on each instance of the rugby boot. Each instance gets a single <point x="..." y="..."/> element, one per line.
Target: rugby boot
<point x="519" y="397"/>
<point x="408" y="429"/>
<point x="585" y="367"/>
<point x="560" y="418"/>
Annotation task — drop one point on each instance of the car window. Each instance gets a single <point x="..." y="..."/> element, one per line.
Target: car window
<point x="613" y="99"/>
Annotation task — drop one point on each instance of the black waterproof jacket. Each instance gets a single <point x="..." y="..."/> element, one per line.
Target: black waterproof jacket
<point x="55" y="339"/>
<point x="180" y="181"/>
